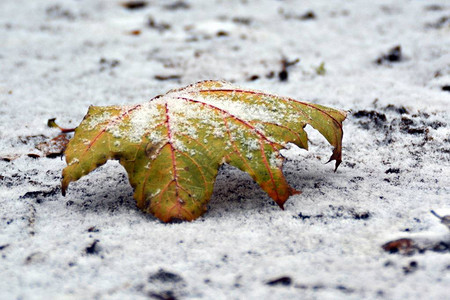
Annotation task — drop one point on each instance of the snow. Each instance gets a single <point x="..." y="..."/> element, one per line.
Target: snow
<point x="57" y="58"/>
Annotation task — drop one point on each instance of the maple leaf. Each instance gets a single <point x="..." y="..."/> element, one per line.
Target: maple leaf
<point x="173" y="145"/>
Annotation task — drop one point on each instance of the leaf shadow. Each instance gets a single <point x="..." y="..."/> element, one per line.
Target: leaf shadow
<point x="234" y="191"/>
<point x="105" y="190"/>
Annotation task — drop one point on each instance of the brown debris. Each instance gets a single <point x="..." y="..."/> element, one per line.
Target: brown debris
<point x="394" y="55"/>
<point x="177" y="5"/>
<point x="283" y="74"/>
<point x="160" y="26"/>
<point x="134" y="4"/>
<point x="9" y="158"/>
<point x="135" y="32"/>
<point x="402" y="246"/>
<point x="167" y="77"/>
<point x="54" y="147"/>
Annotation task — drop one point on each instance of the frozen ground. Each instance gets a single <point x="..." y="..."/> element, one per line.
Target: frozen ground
<point x="59" y="57"/>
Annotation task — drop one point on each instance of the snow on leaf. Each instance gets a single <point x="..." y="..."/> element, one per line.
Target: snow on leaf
<point x="173" y="145"/>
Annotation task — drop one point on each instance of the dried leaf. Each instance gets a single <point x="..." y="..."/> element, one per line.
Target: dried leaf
<point x="9" y="158"/>
<point x="173" y="145"/>
<point x="54" y="147"/>
<point x="403" y="246"/>
<point x="47" y="147"/>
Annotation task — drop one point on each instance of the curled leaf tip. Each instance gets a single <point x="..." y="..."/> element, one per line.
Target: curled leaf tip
<point x="63" y="187"/>
<point x="338" y="162"/>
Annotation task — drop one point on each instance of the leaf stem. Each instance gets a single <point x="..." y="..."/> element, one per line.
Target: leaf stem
<point x="51" y="123"/>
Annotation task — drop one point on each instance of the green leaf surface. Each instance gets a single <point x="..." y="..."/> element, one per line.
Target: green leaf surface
<point x="173" y="145"/>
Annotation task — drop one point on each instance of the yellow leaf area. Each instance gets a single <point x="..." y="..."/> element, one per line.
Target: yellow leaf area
<point x="173" y="145"/>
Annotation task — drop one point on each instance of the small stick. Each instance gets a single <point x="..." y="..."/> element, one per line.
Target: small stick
<point x="436" y="215"/>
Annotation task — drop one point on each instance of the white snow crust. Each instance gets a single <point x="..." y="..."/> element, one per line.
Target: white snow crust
<point x="59" y="57"/>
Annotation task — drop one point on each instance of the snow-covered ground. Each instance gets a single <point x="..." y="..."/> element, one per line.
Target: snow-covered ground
<point x="59" y="57"/>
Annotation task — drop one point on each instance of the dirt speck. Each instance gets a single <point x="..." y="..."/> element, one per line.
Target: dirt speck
<point x="165" y="276"/>
<point x="394" y="55"/>
<point x="93" y="248"/>
<point x="283" y="281"/>
<point x="133" y="5"/>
